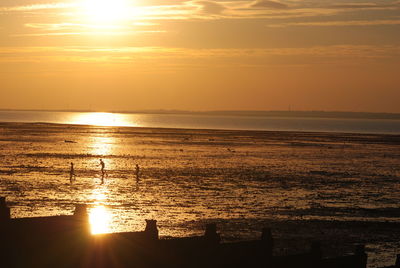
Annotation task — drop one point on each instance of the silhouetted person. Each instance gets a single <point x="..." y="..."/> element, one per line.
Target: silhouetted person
<point x="137" y="172"/>
<point x="72" y="175"/>
<point x="103" y="171"/>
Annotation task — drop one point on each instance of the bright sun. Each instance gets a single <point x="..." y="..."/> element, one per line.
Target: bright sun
<point x="106" y="11"/>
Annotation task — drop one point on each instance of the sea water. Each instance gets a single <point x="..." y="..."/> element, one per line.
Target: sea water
<point x="196" y="121"/>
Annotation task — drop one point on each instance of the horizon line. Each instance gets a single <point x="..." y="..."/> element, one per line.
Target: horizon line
<point x="291" y="113"/>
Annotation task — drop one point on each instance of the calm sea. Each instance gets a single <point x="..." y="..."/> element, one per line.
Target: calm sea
<point x="191" y="121"/>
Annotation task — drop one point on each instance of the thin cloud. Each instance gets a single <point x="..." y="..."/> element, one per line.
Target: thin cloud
<point x="69" y="26"/>
<point x="352" y="51"/>
<point x="210" y="7"/>
<point x="38" y="7"/>
<point x="339" y="23"/>
<point x="365" y="5"/>
<point x="269" y="4"/>
<point x="90" y="33"/>
<point x="211" y="10"/>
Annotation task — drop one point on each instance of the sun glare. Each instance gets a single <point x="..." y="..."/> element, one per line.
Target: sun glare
<point x="100" y="219"/>
<point x="101" y="145"/>
<point x="102" y="119"/>
<point x="106" y="11"/>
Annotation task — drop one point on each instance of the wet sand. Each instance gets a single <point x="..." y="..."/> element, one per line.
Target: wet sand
<point x="341" y="189"/>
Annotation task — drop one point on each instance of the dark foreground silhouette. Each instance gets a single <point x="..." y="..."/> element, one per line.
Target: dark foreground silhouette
<point x="65" y="241"/>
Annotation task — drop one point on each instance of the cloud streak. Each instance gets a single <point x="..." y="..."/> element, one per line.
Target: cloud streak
<point x="38" y="7"/>
<point x="68" y="18"/>
<point x="339" y="23"/>
<point x="269" y="4"/>
<point x="123" y="55"/>
<point x="208" y="9"/>
<point x="365" y="5"/>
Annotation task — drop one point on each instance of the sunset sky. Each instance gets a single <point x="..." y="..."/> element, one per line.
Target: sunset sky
<point x="200" y="55"/>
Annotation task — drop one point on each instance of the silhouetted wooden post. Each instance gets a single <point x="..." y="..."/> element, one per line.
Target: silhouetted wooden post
<point x="268" y="242"/>
<point x="81" y="210"/>
<point x="316" y="254"/>
<point x="211" y="234"/>
<point x="4" y="210"/>
<point x="210" y="248"/>
<point x="5" y="246"/>
<point x="361" y="256"/>
<point x="397" y="265"/>
<point x="151" y="229"/>
<point x="82" y="217"/>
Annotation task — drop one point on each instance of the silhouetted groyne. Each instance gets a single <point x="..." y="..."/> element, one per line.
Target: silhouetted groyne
<point x="65" y="241"/>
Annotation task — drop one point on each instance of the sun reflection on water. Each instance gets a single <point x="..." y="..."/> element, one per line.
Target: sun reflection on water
<point x="103" y="119"/>
<point x="100" y="220"/>
<point x="102" y="145"/>
<point x="100" y="217"/>
<point x="99" y="195"/>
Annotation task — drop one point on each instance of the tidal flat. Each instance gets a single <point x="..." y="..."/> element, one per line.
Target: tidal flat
<point x="338" y="188"/>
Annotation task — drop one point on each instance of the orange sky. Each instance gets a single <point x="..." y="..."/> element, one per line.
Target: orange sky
<point x="200" y="55"/>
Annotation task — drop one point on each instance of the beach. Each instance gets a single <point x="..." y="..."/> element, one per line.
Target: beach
<point x="306" y="186"/>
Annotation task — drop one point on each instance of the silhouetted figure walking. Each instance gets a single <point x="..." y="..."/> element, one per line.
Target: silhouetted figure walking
<point x="103" y="171"/>
<point x="72" y="175"/>
<point x="137" y="172"/>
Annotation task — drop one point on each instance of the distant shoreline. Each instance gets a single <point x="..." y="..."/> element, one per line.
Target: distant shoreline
<point x="288" y="114"/>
